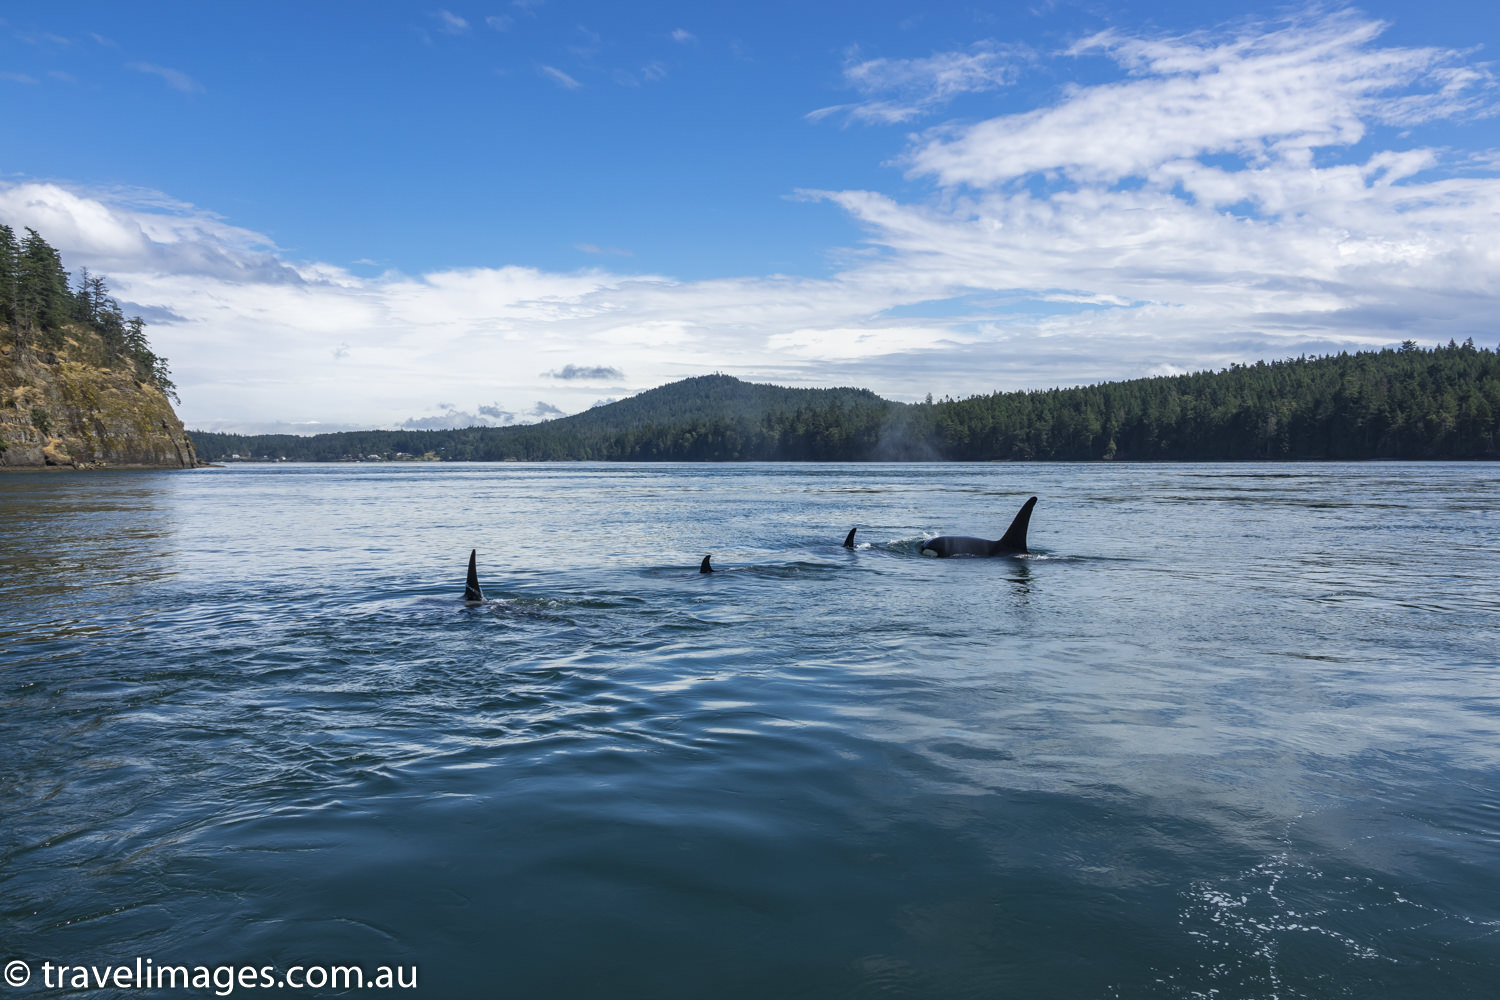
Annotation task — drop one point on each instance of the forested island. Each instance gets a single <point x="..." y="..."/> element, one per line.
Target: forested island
<point x="80" y="386"/>
<point x="1406" y="403"/>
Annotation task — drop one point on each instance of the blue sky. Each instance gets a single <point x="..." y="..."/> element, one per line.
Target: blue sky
<point x="353" y="215"/>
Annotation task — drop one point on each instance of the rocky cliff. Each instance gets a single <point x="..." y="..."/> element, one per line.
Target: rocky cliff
<point x="65" y="408"/>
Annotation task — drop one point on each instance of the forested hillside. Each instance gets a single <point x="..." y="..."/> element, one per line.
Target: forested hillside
<point x="1406" y="403"/>
<point x="1410" y="403"/>
<point x="37" y="307"/>
<point x="80" y="386"/>
<point x="709" y="418"/>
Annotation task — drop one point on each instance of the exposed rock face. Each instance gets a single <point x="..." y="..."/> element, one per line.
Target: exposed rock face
<point x="63" y="412"/>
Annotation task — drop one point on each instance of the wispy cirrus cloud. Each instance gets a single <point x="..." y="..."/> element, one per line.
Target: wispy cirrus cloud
<point x="177" y="79"/>
<point x="649" y="73"/>
<point x="43" y="38"/>
<point x="594" y="248"/>
<point x="1262" y="94"/>
<point x="558" y="77"/>
<point x="899" y="90"/>
<point x="21" y="78"/>
<point x="450" y="23"/>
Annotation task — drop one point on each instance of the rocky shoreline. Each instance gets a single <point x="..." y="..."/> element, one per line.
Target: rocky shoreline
<point x="60" y="412"/>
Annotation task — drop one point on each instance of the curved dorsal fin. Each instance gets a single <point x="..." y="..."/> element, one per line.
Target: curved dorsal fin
<point x="704" y="567"/>
<point x="1014" y="539"/>
<point x="849" y="538"/>
<point x="472" y="593"/>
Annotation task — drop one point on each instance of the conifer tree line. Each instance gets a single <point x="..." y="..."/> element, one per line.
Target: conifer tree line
<point x="1397" y="403"/>
<point x="38" y="304"/>
<point x="1402" y="403"/>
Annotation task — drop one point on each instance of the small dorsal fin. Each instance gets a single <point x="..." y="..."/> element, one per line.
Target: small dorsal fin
<point x="704" y="567"/>
<point x="472" y="593"/>
<point x="849" y="538"/>
<point x="1014" y="539"/>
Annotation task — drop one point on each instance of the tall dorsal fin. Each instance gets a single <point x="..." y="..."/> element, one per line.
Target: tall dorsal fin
<point x="849" y="538"/>
<point x="704" y="567"/>
<point x="1014" y="539"/>
<point x="472" y="593"/>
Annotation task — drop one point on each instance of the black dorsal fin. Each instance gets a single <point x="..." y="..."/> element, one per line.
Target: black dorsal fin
<point x="472" y="593"/>
<point x="849" y="538"/>
<point x="704" y="567"/>
<point x="1014" y="539"/>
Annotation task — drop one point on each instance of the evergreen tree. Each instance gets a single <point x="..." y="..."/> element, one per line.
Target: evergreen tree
<point x="83" y="298"/>
<point x="43" y="299"/>
<point x="10" y="251"/>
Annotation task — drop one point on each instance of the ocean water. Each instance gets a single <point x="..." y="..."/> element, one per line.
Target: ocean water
<point x="1229" y="731"/>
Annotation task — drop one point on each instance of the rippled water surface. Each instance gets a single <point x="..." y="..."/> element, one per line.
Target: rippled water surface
<point x="1230" y="731"/>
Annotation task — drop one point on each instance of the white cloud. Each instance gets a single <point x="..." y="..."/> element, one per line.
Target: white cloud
<point x="176" y="78"/>
<point x="18" y="78"/>
<point x="898" y="90"/>
<point x="125" y="228"/>
<point x="683" y="36"/>
<point x="560" y="78"/>
<point x="594" y="248"/>
<point x="1261" y="95"/>
<point x="450" y="22"/>
<point x="593" y="373"/>
<point x="450" y="419"/>
<point x="842" y="344"/>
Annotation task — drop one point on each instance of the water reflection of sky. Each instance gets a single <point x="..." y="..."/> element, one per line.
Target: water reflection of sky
<point x="1267" y="684"/>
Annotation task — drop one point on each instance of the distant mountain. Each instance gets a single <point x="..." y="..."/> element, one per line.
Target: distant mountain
<point x="1410" y="403"/>
<point x="708" y="398"/>
<point x="707" y="418"/>
<point x="714" y="398"/>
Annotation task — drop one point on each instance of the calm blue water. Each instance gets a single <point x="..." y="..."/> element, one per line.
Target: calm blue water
<point x="1232" y="731"/>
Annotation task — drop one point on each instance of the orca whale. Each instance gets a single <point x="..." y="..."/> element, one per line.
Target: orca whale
<point x="472" y="594"/>
<point x="704" y="567"/>
<point x="849" y="538"/>
<point x="1012" y="543"/>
